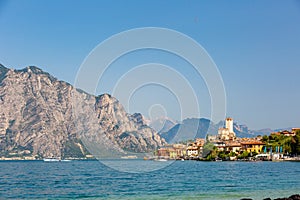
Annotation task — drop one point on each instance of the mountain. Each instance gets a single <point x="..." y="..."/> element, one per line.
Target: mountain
<point x="265" y="131"/>
<point x="44" y="117"/>
<point x="162" y="124"/>
<point x="192" y="128"/>
<point x="189" y="129"/>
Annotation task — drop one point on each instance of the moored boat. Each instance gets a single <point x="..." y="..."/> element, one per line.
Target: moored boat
<point x="51" y="159"/>
<point x="129" y="157"/>
<point x="160" y="160"/>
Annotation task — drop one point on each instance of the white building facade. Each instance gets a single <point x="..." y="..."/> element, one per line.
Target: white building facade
<point x="227" y="133"/>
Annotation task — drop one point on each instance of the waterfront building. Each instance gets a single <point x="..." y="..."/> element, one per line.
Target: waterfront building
<point x="192" y="151"/>
<point x="252" y="146"/>
<point x="231" y="146"/>
<point x="180" y="150"/>
<point x="220" y="145"/>
<point x="195" y="148"/>
<point x="275" y="133"/>
<point x="200" y="142"/>
<point x="163" y="152"/>
<point x="174" y="151"/>
<point x="177" y="151"/>
<point x="294" y="130"/>
<point x="288" y="133"/>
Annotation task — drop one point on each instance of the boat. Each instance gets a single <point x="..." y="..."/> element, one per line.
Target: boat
<point x="295" y="159"/>
<point x="160" y="160"/>
<point x="51" y="159"/>
<point x="55" y="160"/>
<point x="129" y="157"/>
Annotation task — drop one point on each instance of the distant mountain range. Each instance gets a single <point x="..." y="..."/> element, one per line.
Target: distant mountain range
<point x="162" y="124"/>
<point x="44" y="117"/>
<point x="189" y="129"/>
<point x="198" y="128"/>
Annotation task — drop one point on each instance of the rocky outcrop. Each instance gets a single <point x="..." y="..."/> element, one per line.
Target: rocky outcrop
<point x="45" y="117"/>
<point x="130" y="132"/>
<point x="292" y="197"/>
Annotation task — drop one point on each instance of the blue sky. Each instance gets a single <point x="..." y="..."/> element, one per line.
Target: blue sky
<point x="255" y="45"/>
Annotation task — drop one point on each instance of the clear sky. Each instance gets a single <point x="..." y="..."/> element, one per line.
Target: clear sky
<point x="255" y="45"/>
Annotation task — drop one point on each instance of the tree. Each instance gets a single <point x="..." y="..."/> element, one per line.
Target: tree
<point x="210" y="152"/>
<point x="207" y="149"/>
<point x="231" y="154"/>
<point x="222" y="155"/>
<point x="265" y="138"/>
<point x="245" y="154"/>
<point x="296" y="143"/>
<point x="211" y="157"/>
<point x="287" y="145"/>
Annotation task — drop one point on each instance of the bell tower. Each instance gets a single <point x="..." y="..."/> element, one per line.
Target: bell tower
<point x="229" y="124"/>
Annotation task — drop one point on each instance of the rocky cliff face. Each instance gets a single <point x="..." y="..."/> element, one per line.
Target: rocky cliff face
<point x="45" y="117"/>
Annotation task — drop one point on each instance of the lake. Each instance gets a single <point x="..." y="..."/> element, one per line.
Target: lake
<point x="179" y="180"/>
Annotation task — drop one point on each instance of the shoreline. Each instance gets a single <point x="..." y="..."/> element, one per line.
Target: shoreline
<point x="94" y="159"/>
<point x="43" y="159"/>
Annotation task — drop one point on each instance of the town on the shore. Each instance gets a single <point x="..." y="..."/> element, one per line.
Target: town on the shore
<point x="225" y="146"/>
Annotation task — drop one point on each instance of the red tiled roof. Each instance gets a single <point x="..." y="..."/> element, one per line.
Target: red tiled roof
<point x="233" y="145"/>
<point x="192" y="148"/>
<point x="253" y="142"/>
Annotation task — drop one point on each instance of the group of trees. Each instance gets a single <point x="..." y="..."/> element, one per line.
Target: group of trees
<point x="289" y="144"/>
<point x="296" y="143"/>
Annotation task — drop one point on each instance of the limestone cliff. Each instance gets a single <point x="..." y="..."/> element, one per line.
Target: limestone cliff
<point x="45" y="117"/>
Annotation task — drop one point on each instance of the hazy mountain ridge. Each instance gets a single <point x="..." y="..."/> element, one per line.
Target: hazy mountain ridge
<point x="162" y="124"/>
<point x="189" y="129"/>
<point x="37" y="117"/>
<point x="198" y="128"/>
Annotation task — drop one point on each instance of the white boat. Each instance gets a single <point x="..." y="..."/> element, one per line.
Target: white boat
<point x="51" y="160"/>
<point x="129" y="157"/>
<point x="160" y="160"/>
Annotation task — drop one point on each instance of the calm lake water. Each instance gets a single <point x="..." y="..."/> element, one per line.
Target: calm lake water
<point x="180" y="180"/>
